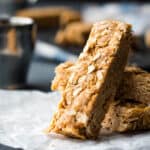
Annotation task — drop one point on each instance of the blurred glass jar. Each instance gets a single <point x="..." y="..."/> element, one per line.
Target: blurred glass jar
<point x="17" y="40"/>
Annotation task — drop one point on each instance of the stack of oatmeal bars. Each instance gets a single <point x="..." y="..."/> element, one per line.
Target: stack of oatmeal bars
<point x="99" y="90"/>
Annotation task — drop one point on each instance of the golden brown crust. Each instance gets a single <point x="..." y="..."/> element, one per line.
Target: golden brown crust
<point x="135" y="84"/>
<point x="134" y="70"/>
<point x="118" y="118"/>
<point x="123" y="116"/>
<point x="51" y="16"/>
<point x="92" y="82"/>
<point x="63" y="71"/>
<point x="74" y="34"/>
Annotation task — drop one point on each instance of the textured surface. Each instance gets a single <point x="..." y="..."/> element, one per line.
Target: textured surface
<point x="24" y="115"/>
<point x="93" y="81"/>
<point x="127" y="115"/>
<point x="124" y="116"/>
<point x="135" y="84"/>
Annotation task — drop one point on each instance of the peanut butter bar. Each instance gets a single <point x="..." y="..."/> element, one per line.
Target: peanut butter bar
<point x="50" y="16"/>
<point x="135" y="84"/>
<point x="74" y="34"/>
<point x="123" y="116"/>
<point x="93" y="81"/>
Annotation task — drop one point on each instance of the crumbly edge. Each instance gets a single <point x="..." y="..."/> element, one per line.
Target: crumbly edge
<point x="62" y="71"/>
<point x="83" y="121"/>
<point x="123" y="116"/>
<point x="136" y="87"/>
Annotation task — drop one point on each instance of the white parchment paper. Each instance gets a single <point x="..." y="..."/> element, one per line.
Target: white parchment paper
<point x="24" y="115"/>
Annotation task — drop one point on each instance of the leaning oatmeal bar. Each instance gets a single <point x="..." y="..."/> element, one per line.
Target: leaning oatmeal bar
<point x="93" y="81"/>
<point x="123" y="116"/>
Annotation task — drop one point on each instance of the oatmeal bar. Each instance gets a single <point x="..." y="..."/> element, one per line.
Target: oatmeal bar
<point x="135" y="84"/>
<point x="50" y="16"/>
<point x="123" y="116"/>
<point x="93" y="81"/>
<point x="74" y="34"/>
<point x="132" y="77"/>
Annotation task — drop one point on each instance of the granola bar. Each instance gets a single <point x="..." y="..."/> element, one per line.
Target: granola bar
<point x="130" y="88"/>
<point x="123" y="116"/>
<point x="50" y="16"/>
<point x="74" y="34"/>
<point x="93" y="81"/>
<point x="135" y="84"/>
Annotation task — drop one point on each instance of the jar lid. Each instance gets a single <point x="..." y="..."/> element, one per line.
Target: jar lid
<point x="6" y="22"/>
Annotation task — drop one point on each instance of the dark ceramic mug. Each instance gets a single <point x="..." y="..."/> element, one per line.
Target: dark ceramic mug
<point x="17" y="40"/>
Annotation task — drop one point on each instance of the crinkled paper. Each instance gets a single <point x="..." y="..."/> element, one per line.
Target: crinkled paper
<point x="24" y="115"/>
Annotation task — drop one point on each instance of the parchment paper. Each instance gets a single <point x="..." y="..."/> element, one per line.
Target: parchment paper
<point x="24" y="115"/>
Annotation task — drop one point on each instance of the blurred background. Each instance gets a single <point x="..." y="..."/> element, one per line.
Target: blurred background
<point x="37" y="35"/>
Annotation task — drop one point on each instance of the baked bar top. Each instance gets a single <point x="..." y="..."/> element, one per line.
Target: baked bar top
<point x="123" y="116"/>
<point x="93" y="81"/>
